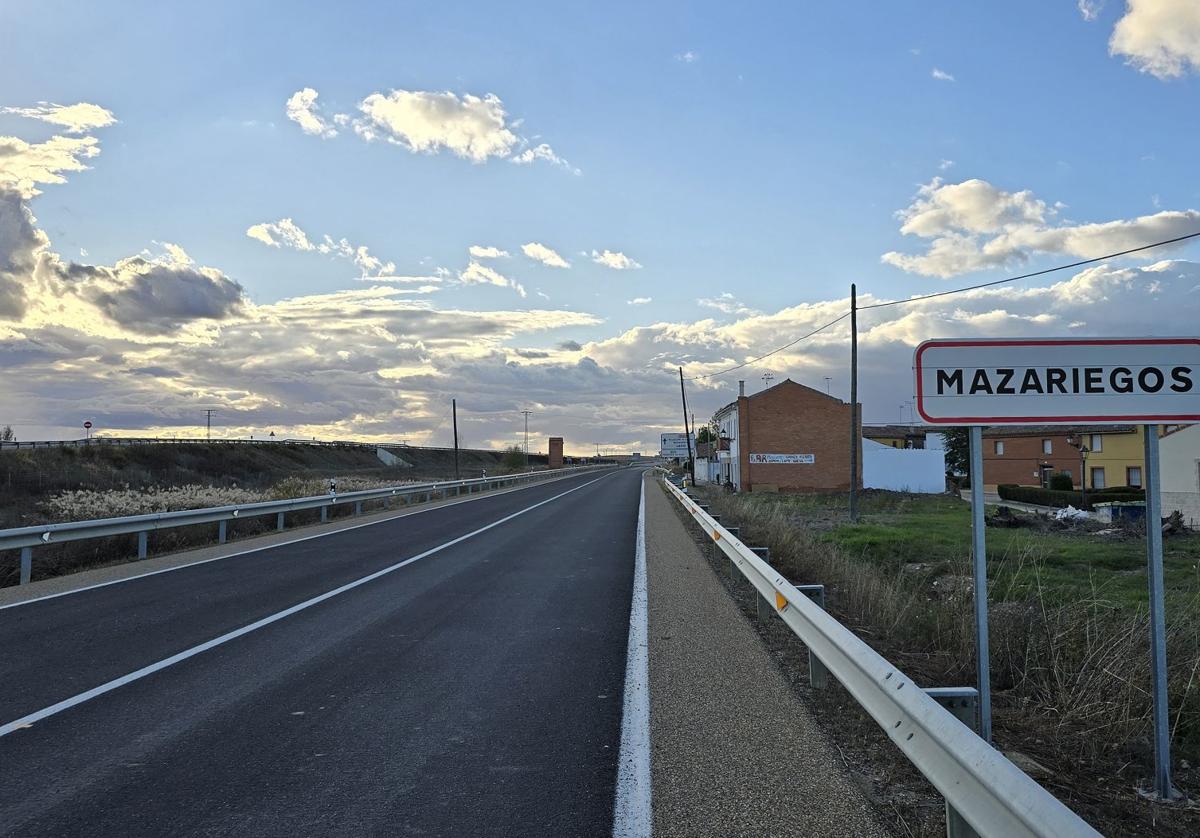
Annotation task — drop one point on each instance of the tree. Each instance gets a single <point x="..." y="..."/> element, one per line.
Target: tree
<point x="958" y="450"/>
<point x="705" y="435"/>
<point x="514" y="458"/>
<point x="7" y="434"/>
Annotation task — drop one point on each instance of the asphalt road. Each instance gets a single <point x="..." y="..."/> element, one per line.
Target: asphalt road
<point x="474" y="691"/>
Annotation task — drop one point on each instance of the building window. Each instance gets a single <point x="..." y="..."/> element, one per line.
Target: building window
<point x="998" y="446"/>
<point x="1133" y="476"/>
<point x="1097" y="442"/>
<point x="1098" y="477"/>
<point x="1047" y="447"/>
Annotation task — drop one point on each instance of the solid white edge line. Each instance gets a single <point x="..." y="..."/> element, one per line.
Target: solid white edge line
<point x="66" y="704"/>
<point x="632" y="813"/>
<point x="404" y="514"/>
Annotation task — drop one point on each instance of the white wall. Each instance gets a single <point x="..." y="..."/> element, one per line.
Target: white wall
<point x="903" y="469"/>
<point x="1179" y="458"/>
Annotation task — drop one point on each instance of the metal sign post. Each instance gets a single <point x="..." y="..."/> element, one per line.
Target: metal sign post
<point x="983" y="667"/>
<point x="1163" y="788"/>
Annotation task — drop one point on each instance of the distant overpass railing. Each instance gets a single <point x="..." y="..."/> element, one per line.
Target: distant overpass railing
<point x="985" y="793"/>
<point x="25" y="539"/>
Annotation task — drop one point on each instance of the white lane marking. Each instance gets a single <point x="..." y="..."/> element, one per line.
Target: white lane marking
<point x="405" y="514"/>
<point x="66" y="704"/>
<point x="631" y="815"/>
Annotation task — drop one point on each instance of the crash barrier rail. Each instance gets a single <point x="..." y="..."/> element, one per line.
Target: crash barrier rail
<point x="27" y="538"/>
<point x="985" y="794"/>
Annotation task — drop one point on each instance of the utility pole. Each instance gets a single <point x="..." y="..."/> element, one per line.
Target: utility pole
<point x="454" y="415"/>
<point x="853" y="403"/>
<point x="687" y="434"/>
<point x="208" y="423"/>
<point x="527" y="412"/>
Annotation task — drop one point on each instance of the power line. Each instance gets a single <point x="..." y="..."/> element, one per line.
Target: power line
<point x="1034" y="273"/>
<point x="1065" y="267"/>
<point x="815" y="331"/>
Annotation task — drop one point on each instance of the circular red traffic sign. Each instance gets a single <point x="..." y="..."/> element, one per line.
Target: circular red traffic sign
<point x="87" y="424"/>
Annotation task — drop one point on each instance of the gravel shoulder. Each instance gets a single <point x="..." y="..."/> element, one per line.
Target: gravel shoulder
<point x="734" y="750"/>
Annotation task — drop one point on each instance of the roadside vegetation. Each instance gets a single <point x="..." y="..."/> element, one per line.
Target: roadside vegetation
<point x="1069" y="629"/>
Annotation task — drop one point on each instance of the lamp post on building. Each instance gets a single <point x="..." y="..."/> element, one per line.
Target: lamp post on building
<point x="1077" y="442"/>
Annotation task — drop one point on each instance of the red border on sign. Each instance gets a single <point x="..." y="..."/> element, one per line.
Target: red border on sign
<point x="1019" y="420"/>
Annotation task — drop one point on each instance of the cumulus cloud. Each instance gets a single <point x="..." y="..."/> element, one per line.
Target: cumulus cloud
<point x="471" y="127"/>
<point x="725" y="303"/>
<point x="75" y="119"/>
<point x="475" y="128"/>
<point x="286" y="233"/>
<point x="614" y="259"/>
<point x="540" y="253"/>
<point x="23" y="165"/>
<point x="941" y="75"/>
<point x="639" y="301"/>
<point x="480" y="252"/>
<point x="974" y="225"/>
<point x="1159" y="37"/>
<point x="301" y="109"/>
<point x="479" y="274"/>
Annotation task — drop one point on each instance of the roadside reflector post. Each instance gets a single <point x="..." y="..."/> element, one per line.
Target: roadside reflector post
<point x="1163" y="789"/>
<point x="221" y="532"/>
<point x="26" y="564"/>
<point x="279" y="522"/>
<point x="983" y="681"/>
<point x="142" y="546"/>
<point x="962" y="702"/>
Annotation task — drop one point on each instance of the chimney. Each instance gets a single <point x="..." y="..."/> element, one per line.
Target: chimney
<point x="741" y="388"/>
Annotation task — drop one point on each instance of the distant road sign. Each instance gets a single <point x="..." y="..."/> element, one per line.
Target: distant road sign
<point x="87" y="424"/>
<point x="1058" y="381"/>
<point x="675" y="445"/>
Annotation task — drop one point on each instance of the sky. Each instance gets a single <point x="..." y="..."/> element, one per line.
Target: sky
<point x="328" y="220"/>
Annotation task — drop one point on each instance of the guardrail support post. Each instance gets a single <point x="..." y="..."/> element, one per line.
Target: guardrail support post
<point x="764" y="608"/>
<point x="26" y="564"/>
<point x="221" y="532"/>
<point x="324" y="514"/>
<point x="963" y="702"/>
<point x="142" y="539"/>
<point x="279" y="522"/>
<point x="358" y="507"/>
<point x="818" y="675"/>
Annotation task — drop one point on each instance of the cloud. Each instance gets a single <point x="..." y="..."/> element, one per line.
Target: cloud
<point x="616" y="260"/>
<point x="475" y="128"/>
<point x="941" y="75"/>
<point x="639" y="301"/>
<point x="725" y="303"/>
<point x="945" y="164"/>
<point x="1090" y="9"/>
<point x="687" y="57"/>
<point x="287" y="233"/>
<point x="24" y="165"/>
<point x="76" y="119"/>
<point x="472" y="127"/>
<point x="480" y="252"/>
<point x="301" y="109"/>
<point x="974" y="225"/>
<point x="540" y="253"/>
<point x="477" y="274"/>
<point x="1159" y="37"/>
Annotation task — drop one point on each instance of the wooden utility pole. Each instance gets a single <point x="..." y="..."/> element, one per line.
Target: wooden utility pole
<point x="454" y="415"/>
<point x="853" y="403"/>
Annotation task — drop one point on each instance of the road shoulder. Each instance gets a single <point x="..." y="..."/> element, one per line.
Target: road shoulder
<point x="734" y="751"/>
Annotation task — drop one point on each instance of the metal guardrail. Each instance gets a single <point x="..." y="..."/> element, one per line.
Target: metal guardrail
<point x="986" y="792"/>
<point x="26" y="539"/>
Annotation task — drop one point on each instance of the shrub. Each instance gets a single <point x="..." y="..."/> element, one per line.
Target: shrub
<point x="1061" y="482"/>
<point x="1059" y="498"/>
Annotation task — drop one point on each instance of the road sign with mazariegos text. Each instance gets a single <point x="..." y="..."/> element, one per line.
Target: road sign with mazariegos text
<point x="1058" y="380"/>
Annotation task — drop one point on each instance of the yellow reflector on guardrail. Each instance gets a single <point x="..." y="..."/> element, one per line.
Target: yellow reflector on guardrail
<point x="780" y="602"/>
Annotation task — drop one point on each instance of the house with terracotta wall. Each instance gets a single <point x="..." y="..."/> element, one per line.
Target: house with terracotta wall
<point x="1028" y="455"/>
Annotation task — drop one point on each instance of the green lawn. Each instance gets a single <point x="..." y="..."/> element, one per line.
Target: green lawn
<point x="897" y="529"/>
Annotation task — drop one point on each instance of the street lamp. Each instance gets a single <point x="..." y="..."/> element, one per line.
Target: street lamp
<point x="1077" y="442"/>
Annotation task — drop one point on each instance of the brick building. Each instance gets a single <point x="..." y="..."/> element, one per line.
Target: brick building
<point x="1028" y="455"/>
<point x="555" y="460"/>
<point x="787" y="438"/>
